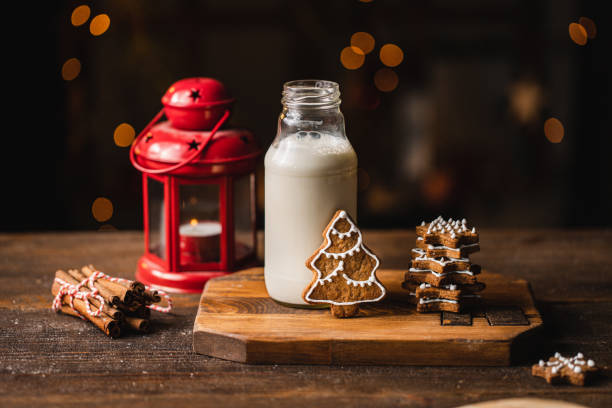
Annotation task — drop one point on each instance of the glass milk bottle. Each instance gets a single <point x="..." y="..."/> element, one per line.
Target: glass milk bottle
<point x="310" y="172"/>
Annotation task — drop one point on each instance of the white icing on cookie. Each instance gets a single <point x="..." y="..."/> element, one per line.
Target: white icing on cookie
<point x="452" y="227"/>
<point x="350" y="281"/>
<point x="436" y="300"/>
<point x="573" y="363"/>
<point x="466" y="272"/>
<point x="429" y="246"/>
<point x="356" y="248"/>
<point x="447" y="287"/>
<point x="329" y="277"/>
<point x="343" y="235"/>
<point x="448" y="300"/>
<point x="442" y="260"/>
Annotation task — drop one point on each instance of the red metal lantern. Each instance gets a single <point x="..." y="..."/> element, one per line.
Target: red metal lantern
<point x="198" y="189"/>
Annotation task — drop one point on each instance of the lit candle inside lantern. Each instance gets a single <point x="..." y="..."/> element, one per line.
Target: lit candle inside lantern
<point x="199" y="241"/>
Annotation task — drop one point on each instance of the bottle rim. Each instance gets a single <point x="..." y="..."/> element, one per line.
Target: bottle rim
<point x="311" y="93"/>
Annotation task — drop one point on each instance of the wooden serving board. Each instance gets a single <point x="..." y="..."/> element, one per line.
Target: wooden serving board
<point x="237" y="321"/>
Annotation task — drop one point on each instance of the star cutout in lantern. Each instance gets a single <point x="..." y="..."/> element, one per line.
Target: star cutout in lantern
<point x="193" y="145"/>
<point x="195" y="95"/>
<point x="148" y="138"/>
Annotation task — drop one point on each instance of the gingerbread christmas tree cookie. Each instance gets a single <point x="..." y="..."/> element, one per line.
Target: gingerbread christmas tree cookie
<point x="344" y="269"/>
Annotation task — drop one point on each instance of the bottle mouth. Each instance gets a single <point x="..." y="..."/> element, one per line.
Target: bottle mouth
<point x="311" y="93"/>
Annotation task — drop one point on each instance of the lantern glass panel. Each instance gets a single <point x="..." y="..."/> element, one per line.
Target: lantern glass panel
<point x="157" y="218"/>
<point x="243" y="217"/>
<point x="199" y="226"/>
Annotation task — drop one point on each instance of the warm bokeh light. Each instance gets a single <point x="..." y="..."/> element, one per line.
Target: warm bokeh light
<point x="386" y="80"/>
<point x="589" y="26"/>
<point x="80" y="15"/>
<point x="193" y="221"/>
<point x="102" y="209"/>
<point x="99" y="24"/>
<point x="364" y="41"/>
<point x="124" y="135"/>
<point x="526" y="98"/>
<point x="391" y="55"/>
<point x="577" y="33"/>
<point x="71" y="69"/>
<point x="553" y="130"/>
<point x="352" y="57"/>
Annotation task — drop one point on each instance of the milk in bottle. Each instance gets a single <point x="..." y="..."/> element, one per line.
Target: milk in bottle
<point x="310" y="172"/>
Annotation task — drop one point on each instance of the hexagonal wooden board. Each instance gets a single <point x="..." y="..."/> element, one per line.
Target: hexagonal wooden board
<point x="237" y="321"/>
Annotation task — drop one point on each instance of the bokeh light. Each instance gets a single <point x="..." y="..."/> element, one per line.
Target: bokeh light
<point x="71" y="69"/>
<point x="99" y="24"/>
<point x="386" y="80"/>
<point x="80" y="15"/>
<point x="391" y="55"/>
<point x="589" y="27"/>
<point x="124" y="135"/>
<point x="577" y="33"/>
<point x="553" y="130"/>
<point x="352" y="57"/>
<point x="364" y="41"/>
<point x="102" y="209"/>
<point x="526" y="98"/>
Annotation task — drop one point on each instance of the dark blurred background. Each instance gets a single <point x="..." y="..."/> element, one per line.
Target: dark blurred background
<point x="499" y="111"/>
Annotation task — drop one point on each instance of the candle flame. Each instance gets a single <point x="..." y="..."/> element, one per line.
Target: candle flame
<point x="193" y="221"/>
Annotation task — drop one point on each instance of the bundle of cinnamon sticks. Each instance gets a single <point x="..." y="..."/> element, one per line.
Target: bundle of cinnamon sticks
<point x="125" y="304"/>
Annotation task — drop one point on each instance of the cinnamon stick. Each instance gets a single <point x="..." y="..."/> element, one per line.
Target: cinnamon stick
<point x="109" y="296"/>
<point x="152" y="296"/>
<point x="110" y="327"/>
<point x="143" y="312"/>
<point x="132" y="307"/>
<point x="136" y="287"/>
<point x="118" y="293"/>
<point x="112" y="312"/>
<point x="135" y="309"/>
<point x="138" y="324"/>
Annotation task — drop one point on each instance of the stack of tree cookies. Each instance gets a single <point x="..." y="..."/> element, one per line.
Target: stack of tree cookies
<point x="441" y="276"/>
<point x="113" y="305"/>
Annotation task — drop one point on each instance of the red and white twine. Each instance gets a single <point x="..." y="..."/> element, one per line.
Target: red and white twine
<point x="74" y="292"/>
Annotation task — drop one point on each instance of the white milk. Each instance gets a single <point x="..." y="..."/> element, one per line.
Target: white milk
<point x="307" y="179"/>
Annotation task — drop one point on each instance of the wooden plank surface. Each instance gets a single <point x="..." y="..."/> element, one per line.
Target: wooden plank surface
<point x="239" y="322"/>
<point x="50" y="360"/>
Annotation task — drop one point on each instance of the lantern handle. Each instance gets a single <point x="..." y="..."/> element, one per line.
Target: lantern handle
<point x="174" y="167"/>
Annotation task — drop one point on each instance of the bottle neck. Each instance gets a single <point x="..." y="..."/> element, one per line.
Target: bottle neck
<point x="311" y="106"/>
<point x="311" y="94"/>
<point x="298" y="112"/>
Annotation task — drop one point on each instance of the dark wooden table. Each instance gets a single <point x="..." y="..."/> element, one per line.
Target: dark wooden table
<point x="48" y="359"/>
